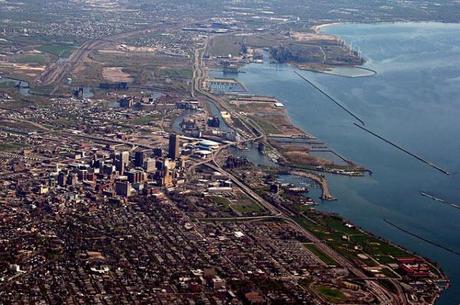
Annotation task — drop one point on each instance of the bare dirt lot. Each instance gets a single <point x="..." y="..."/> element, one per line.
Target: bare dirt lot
<point x="116" y="74"/>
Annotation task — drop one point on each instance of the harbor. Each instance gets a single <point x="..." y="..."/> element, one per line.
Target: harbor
<point x="399" y="110"/>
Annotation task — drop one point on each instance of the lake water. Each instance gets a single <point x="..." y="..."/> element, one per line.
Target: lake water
<point x="413" y="100"/>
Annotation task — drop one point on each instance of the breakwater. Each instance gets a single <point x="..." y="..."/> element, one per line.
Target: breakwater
<point x="440" y="200"/>
<point x="433" y="243"/>
<point x="321" y="181"/>
<point x="332" y="99"/>
<point x="404" y="150"/>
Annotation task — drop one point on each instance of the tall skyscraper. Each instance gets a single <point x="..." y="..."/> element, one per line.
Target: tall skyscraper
<point x="125" y="157"/>
<point x="121" y="160"/>
<point x="139" y="158"/>
<point x="123" y="188"/>
<point x="167" y="177"/>
<point x="173" y="152"/>
<point x="158" y="152"/>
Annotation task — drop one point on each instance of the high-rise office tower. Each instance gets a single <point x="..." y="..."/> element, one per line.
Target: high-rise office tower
<point x="173" y="152"/>
<point x="121" y="161"/>
<point x="139" y="158"/>
<point x="125" y="157"/>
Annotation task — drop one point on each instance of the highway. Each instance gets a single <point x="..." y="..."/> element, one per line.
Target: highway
<point x="199" y="76"/>
<point x="381" y="293"/>
<point x="57" y="71"/>
<point x="54" y="74"/>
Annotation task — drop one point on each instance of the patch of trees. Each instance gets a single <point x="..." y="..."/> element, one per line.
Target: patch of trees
<point x="295" y="53"/>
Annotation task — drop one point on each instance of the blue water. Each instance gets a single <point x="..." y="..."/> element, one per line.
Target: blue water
<point x="414" y="100"/>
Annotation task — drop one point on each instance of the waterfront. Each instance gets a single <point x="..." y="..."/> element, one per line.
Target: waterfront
<point x="412" y="101"/>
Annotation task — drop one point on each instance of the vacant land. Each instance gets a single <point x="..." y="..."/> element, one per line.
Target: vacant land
<point x="59" y="50"/>
<point x="116" y="74"/>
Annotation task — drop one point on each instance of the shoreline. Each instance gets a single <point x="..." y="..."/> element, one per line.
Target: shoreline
<point x="442" y="275"/>
<point x="318" y="27"/>
<point x="327" y="196"/>
<point x="329" y="70"/>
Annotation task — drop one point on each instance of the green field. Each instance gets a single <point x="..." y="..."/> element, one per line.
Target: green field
<point x="31" y="59"/>
<point x="247" y="207"/>
<point x="320" y="254"/>
<point x="331" y="294"/>
<point x="243" y="206"/>
<point x="10" y="147"/>
<point x="222" y="203"/>
<point x="225" y="45"/>
<point x="145" y="120"/>
<point x="265" y="125"/>
<point x="220" y="200"/>
<point x="332" y="229"/>
<point x="7" y="84"/>
<point x="176" y="73"/>
<point x="60" y="50"/>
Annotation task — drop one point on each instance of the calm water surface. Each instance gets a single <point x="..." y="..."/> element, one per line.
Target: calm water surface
<point x="414" y="100"/>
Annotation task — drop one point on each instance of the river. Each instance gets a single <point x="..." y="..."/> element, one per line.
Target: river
<point x="414" y="101"/>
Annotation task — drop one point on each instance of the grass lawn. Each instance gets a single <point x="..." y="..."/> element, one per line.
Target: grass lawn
<point x="331" y="294"/>
<point x="145" y="120"/>
<point x="60" y="50"/>
<point x="265" y="125"/>
<point x="324" y="257"/>
<point x="225" y="45"/>
<point x="331" y="229"/>
<point x="247" y="207"/>
<point x="176" y="73"/>
<point x="7" y="84"/>
<point x="9" y="147"/>
<point x="31" y="59"/>
<point x="222" y="203"/>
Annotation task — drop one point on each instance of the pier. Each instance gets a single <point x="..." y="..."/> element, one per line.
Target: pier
<point x="404" y="150"/>
<point x="332" y="99"/>
<point x="326" y="193"/>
